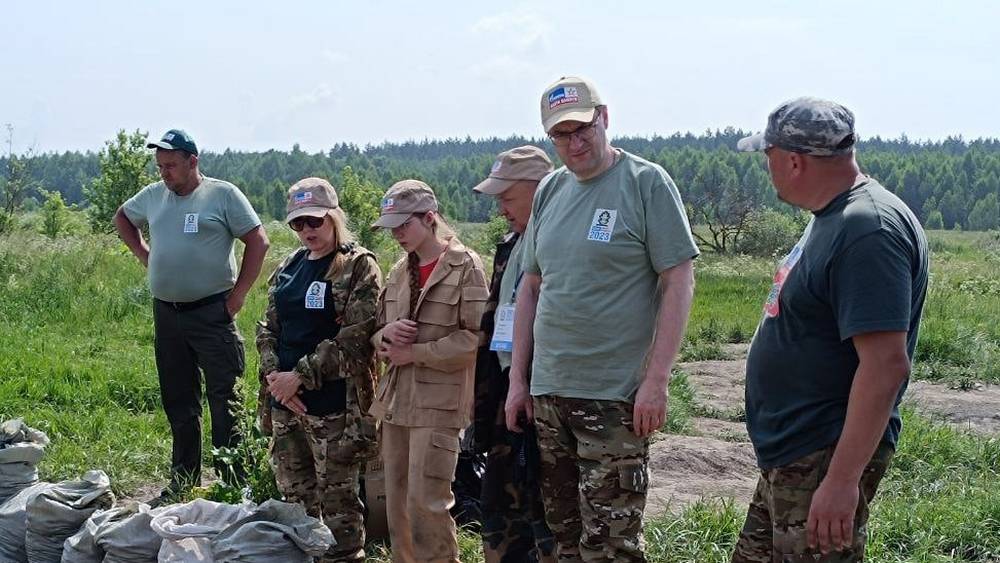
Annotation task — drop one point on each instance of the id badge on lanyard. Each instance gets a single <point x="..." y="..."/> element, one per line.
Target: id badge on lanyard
<point x="503" y="329"/>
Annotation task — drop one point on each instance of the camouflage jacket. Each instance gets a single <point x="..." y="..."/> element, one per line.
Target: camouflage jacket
<point x="349" y="355"/>
<point x="491" y="381"/>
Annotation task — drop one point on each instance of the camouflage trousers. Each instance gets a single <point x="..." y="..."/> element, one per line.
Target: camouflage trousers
<point x="311" y="470"/>
<point x="775" y="528"/>
<point x="514" y="529"/>
<point x="594" y="478"/>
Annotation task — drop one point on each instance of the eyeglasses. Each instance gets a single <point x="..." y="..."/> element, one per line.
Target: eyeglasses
<point x="299" y="223"/>
<point x="583" y="133"/>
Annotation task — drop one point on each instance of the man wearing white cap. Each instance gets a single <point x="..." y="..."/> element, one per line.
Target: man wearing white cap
<point x="513" y="527"/>
<point x="600" y="313"/>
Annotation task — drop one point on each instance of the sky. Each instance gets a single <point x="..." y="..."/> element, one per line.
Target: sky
<point x="256" y="75"/>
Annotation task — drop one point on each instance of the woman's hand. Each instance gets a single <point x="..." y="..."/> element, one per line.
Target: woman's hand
<point x="403" y="331"/>
<point x="284" y="386"/>
<point x="396" y="354"/>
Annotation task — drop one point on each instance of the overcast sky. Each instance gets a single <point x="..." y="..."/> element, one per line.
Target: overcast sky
<point x="260" y="75"/>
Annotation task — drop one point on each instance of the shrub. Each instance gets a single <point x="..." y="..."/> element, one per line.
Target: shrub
<point x="935" y="221"/>
<point x="55" y="214"/>
<point x="769" y="233"/>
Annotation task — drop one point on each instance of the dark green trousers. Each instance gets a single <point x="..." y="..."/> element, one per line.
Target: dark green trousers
<point x="189" y="342"/>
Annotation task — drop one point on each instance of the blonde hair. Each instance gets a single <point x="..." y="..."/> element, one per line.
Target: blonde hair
<point x="342" y="236"/>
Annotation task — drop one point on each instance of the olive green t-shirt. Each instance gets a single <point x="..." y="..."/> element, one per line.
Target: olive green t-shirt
<point x="599" y="246"/>
<point x="191" y="237"/>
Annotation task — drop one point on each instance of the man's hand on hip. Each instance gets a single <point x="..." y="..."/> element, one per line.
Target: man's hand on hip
<point x="235" y="302"/>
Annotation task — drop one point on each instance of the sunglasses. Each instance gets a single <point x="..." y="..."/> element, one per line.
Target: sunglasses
<point x="299" y="223"/>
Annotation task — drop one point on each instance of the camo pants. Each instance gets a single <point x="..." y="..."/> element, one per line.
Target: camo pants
<point x="310" y="470"/>
<point x="514" y="529"/>
<point x="594" y="478"/>
<point x="775" y="529"/>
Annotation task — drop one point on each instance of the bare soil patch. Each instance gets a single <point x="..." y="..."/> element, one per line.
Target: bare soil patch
<point x="719" y="463"/>
<point x="976" y="410"/>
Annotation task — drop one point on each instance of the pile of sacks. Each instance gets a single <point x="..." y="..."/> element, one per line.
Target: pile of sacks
<point x="77" y="521"/>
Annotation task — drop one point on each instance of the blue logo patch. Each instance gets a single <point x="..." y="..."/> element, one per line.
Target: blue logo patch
<point x="563" y="95"/>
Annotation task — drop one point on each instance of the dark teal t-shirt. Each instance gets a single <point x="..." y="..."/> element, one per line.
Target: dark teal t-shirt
<point x="861" y="266"/>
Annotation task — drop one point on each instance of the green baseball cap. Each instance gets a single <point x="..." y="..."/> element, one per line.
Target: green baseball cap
<point x="175" y="140"/>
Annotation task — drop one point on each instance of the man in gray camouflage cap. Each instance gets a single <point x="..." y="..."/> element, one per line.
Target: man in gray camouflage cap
<point x="831" y="356"/>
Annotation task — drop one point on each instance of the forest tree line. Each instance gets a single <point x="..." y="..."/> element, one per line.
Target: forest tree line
<point x="949" y="184"/>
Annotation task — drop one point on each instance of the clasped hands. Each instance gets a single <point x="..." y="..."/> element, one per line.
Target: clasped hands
<point x="397" y="342"/>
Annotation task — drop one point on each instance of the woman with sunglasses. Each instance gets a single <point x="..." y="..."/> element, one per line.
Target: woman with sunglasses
<point x="428" y="320"/>
<point x="317" y="366"/>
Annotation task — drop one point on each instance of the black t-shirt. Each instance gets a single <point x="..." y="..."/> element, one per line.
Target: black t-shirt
<point x="861" y="266"/>
<point x="304" y="301"/>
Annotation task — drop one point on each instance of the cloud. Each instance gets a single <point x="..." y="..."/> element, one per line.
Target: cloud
<point x="321" y="95"/>
<point x="517" y="39"/>
<point x="521" y="29"/>
<point x="335" y="57"/>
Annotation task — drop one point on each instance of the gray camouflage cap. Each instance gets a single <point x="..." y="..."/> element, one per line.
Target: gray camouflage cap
<point x="807" y="126"/>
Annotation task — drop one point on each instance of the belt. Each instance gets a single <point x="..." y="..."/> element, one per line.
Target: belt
<point x="192" y="305"/>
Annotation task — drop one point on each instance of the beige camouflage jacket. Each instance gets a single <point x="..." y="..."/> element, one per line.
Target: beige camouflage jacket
<point x="436" y="389"/>
<point x="349" y="355"/>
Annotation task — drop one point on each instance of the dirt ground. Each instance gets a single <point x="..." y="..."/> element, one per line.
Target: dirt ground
<point x="718" y="462"/>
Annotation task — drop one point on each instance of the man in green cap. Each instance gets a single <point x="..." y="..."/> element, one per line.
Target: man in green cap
<point x="193" y="222"/>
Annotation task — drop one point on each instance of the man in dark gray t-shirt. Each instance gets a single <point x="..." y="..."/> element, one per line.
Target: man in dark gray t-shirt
<point x="831" y="357"/>
<point x="193" y="223"/>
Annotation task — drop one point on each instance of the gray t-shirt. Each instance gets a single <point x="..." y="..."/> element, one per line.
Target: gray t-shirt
<point x="599" y="246"/>
<point x="860" y="267"/>
<point x="191" y="237"/>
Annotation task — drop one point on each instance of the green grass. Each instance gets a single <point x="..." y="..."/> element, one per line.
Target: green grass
<point x="76" y="361"/>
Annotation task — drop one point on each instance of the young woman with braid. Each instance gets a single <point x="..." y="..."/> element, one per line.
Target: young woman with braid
<point x="428" y="333"/>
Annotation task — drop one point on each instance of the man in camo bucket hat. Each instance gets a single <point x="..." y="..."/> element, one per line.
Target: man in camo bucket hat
<point x="831" y="356"/>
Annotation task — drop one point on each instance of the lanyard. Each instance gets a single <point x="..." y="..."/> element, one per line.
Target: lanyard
<point x="517" y="283"/>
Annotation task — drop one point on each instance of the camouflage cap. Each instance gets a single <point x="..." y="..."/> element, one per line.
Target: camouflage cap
<point x="808" y="126"/>
<point x="175" y="140"/>
<point x="314" y="197"/>
<point x="570" y="98"/>
<point x="517" y="164"/>
<point x="402" y="199"/>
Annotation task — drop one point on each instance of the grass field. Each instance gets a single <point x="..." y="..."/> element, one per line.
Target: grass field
<point x="76" y="361"/>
